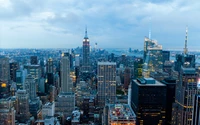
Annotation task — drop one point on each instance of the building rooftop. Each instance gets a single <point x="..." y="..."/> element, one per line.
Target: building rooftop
<point x="119" y="112"/>
<point x="148" y="82"/>
<point x="106" y="63"/>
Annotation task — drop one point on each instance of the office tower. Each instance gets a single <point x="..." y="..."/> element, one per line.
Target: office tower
<point x="13" y="88"/>
<point x="34" y="60"/>
<point x="30" y="87"/>
<point x="35" y="71"/>
<point x="184" y="60"/>
<point x="118" y="114"/>
<point x="65" y="104"/>
<point x="20" y="78"/>
<point x="166" y="56"/>
<point x="170" y="97"/>
<point x="23" y="106"/>
<point x="127" y="78"/>
<point x="77" y="60"/>
<point x="7" y="112"/>
<point x="149" y="101"/>
<point x="106" y="72"/>
<point x="167" y="67"/>
<point x="48" y="109"/>
<point x="185" y="90"/>
<point x="13" y="68"/>
<point x="147" y="43"/>
<point x="153" y="59"/>
<point x="4" y="69"/>
<point x="66" y="83"/>
<point x="196" y="111"/>
<point x="138" y="65"/>
<point x="86" y="53"/>
<point x="50" y="65"/>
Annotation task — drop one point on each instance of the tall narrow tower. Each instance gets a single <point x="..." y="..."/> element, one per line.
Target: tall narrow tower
<point x="186" y="38"/>
<point x="86" y="52"/>
<point x="66" y="84"/>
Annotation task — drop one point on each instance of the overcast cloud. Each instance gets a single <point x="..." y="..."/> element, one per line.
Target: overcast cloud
<point x="111" y="23"/>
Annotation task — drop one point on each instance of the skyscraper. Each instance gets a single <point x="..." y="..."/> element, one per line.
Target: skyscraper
<point x="153" y="59"/>
<point x="86" y="53"/>
<point x="66" y="83"/>
<point x="186" y="88"/>
<point x="30" y="87"/>
<point x="149" y="101"/>
<point x="13" y="68"/>
<point x="7" y="112"/>
<point x="34" y="60"/>
<point x="23" y="102"/>
<point x="4" y="69"/>
<point x="196" y="111"/>
<point x="106" y="87"/>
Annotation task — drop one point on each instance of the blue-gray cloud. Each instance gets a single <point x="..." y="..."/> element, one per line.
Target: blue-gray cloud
<point x="110" y="23"/>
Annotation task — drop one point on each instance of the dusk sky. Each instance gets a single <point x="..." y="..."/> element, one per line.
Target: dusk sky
<point x="110" y="23"/>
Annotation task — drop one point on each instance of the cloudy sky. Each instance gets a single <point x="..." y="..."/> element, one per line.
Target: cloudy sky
<point x="111" y="23"/>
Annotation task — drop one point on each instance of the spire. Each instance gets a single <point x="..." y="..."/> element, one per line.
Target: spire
<point x="150" y="29"/>
<point x="186" y="38"/>
<point x="86" y="37"/>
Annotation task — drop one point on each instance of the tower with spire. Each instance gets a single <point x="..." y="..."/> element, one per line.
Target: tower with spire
<point x="186" y="38"/>
<point x="86" y="53"/>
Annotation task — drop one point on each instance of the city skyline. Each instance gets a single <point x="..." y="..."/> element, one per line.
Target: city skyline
<point x="111" y="24"/>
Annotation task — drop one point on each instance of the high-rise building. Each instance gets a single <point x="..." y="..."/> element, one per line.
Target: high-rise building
<point x="34" y="60"/>
<point x="166" y="56"/>
<point x="4" y="69"/>
<point x="184" y="60"/>
<point x="106" y="72"/>
<point x="7" y="112"/>
<point x="13" y="68"/>
<point x="20" y="78"/>
<point x="138" y="65"/>
<point x="50" y="65"/>
<point x="65" y="104"/>
<point x="127" y="78"/>
<point x="66" y="83"/>
<point x="23" y="106"/>
<point x="77" y="60"/>
<point x="30" y="87"/>
<point x="196" y="111"/>
<point x="153" y="59"/>
<point x="4" y="76"/>
<point x="186" y="88"/>
<point x="35" y="71"/>
<point x="86" y="53"/>
<point x="170" y="98"/>
<point x="118" y="114"/>
<point x="149" y="101"/>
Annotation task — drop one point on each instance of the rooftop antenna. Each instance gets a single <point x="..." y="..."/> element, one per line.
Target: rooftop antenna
<point x="150" y="29"/>
<point x="86" y="37"/>
<point x="186" y="38"/>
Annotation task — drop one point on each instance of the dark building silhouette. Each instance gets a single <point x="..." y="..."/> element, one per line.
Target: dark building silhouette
<point x="13" y="68"/>
<point x="138" y="65"/>
<point x="127" y="77"/>
<point x="166" y="56"/>
<point x="196" y="111"/>
<point x="170" y="97"/>
<point x="148" y="100"/>
<point x="34" y="60"/>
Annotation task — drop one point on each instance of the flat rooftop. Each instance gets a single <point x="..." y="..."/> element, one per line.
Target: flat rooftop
<point x="148" y="82"/>
<point x="106" y="63"/>
<point x="119" y="112"/>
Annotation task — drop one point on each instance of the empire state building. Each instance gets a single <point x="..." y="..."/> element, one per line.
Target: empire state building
<point x="86" y="53"/>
